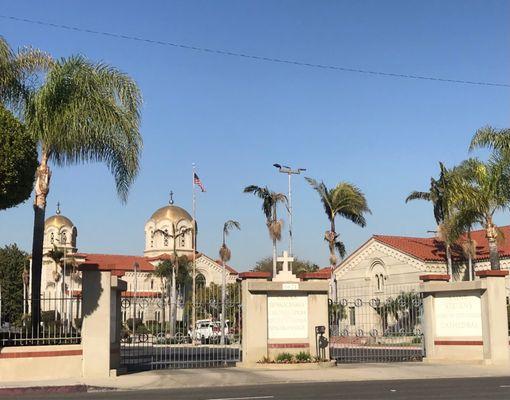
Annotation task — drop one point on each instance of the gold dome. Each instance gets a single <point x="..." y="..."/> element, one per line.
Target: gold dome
<point x="58" y="221"/>
<point x="172" y="213"/>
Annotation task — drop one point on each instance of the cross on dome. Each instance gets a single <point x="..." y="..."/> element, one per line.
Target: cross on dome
<point x="171" y="201"/>
<point x="58" y="208"/>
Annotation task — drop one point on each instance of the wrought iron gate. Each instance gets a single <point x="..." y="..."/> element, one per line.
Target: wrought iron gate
<point x="163" y="336"/>
<point x="376" y="324"/>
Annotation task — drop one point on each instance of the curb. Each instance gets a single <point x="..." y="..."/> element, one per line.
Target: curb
<point x="11" y="391"/>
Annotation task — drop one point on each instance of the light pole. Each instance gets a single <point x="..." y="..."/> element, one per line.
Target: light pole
<point x="284" y="169"/>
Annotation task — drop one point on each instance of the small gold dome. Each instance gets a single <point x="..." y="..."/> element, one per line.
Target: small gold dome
<point x="58" y="221"/>
<point x="172" y="213"/>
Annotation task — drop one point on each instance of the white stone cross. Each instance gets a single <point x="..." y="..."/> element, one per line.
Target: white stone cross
<point x="285" y="260"/>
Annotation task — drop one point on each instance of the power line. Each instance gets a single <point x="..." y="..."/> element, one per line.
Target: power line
<point x="251" y="56"/>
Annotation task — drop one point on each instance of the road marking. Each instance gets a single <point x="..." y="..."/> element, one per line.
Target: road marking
<point x="504" y="386"/>
<point x="244" y="398"/>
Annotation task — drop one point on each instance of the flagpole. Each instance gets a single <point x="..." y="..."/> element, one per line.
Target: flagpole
<point x="193" y="239"/>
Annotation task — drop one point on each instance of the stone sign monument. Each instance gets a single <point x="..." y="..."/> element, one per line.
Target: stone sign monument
<point x="466" y="321"/>
<point x="280" y="315"/>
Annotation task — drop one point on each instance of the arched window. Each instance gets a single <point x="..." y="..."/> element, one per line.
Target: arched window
<point x="182" y="239"/>
<point x="52" y="238"/>
<point x="377" y="272"/>
<point x="152" y="283"/>
<point x="200" y="281"/>
<point x="165" y="240"/>
<point x="63" y="238"/>
<point x="152" y="238"/>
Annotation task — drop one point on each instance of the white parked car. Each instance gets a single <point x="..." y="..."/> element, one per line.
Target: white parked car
<point x="209" y="331"/>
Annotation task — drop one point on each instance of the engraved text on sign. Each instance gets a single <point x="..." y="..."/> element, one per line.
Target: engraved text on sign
<point x="458" y="316"/>
<point x="287" y="317"/>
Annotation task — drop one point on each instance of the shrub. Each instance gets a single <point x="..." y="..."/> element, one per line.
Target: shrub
<point x="303" y="357"/>
<point x="284" y="358"/>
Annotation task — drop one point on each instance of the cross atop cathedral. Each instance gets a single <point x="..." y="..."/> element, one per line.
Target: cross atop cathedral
<point x="171" y="197"/>
<point x="58" y="208"/>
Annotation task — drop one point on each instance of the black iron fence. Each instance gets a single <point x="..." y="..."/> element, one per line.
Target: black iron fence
<point x="60" y="323"/>
<point x="376" y="323"/>
<point x="170" y="331"/>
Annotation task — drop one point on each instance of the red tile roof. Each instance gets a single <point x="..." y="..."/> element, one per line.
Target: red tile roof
<point x="323" y="273"/>
<point x="115" y="262"/>
<point x="124" y="263"/>
<point x="433" y="250"/>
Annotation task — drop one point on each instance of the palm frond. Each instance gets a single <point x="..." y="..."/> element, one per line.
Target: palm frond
<point x="229" y="225"/>
<point x="488" y="136"/>
<point x="87" y="112"/>
<point x="416" y="195"/>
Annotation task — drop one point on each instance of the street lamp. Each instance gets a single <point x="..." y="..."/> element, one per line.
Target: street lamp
<point x="284" y="169"/>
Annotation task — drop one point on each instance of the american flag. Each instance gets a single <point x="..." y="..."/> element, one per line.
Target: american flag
<point x="198" y="182"/>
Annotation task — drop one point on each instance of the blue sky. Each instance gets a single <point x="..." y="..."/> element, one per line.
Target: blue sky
<point x="235" y="117"/>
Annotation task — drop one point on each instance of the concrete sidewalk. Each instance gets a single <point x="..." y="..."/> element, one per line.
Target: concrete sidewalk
<point x="187" y="378"/>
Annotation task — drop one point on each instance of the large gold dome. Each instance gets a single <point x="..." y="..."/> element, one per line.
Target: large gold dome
<point x="58" y="221"/>
<point x="172" y="213"/>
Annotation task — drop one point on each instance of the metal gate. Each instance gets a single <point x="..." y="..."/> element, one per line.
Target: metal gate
<point x="376" y="324"/>
<point x="158" y="330"/>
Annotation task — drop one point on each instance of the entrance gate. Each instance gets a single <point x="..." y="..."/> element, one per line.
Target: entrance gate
<point x="163" y="336"/>
<point x="381" y="324"/>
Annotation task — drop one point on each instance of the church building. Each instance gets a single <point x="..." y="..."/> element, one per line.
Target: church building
<point x="169" y="228"/>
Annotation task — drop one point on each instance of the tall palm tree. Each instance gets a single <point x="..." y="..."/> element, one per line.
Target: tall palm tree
<point x="175" y="234"/>
<point x="270" y="201"/>
<point x="440" y="195"/>
<point x="225" y="255"/>
<point x="485" y="191"/>
<point x="345" y="200"/>
<point x="163" y="271"/>
<point x="80" y="112"/>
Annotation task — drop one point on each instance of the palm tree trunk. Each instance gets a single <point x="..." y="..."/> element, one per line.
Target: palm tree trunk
<point x="491" y="234"/>
<point x="223" y="298"/>
<point x="331" y="243"/>
<point x="173" y="312"/>
<point x="449" y="260"/>
<point x="274" y="258"/>
<point x="41" y="187"/>
<point x="470" y="267"/>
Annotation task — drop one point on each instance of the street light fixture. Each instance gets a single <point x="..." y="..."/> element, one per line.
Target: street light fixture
<point x="285" y="169"/>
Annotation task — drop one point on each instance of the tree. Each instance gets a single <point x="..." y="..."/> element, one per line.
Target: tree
<point x="56" y="254"/>
<point x="270" y="201"/>
<point x="18" y="161"/>
<point x="176" y="261"/>
<point x="483" y="191"/>
<point x="225" y="255"/>
<point x="163" y="271"/>
<point x="345" y="200"/>
<point x="298" y="266"/>
<point x="12" y="265"/>
<point x="80" y="112"/>
<point x="440" y="195"/>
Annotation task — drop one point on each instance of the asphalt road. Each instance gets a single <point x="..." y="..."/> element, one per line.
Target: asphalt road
<point x="472" y="388"/>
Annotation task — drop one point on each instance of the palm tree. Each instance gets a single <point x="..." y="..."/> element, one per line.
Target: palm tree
<point x="483" y="192"/>
<point x="80" y="112"/>
<point x="225" y="255"/>
<point x="270" y="201"/>
<point x="345" y="200"/>
<point x="440" y="195"/>
<point x="163" y="271"/>
<point x="175" y="234"/>
<point x="56" y="255"/>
